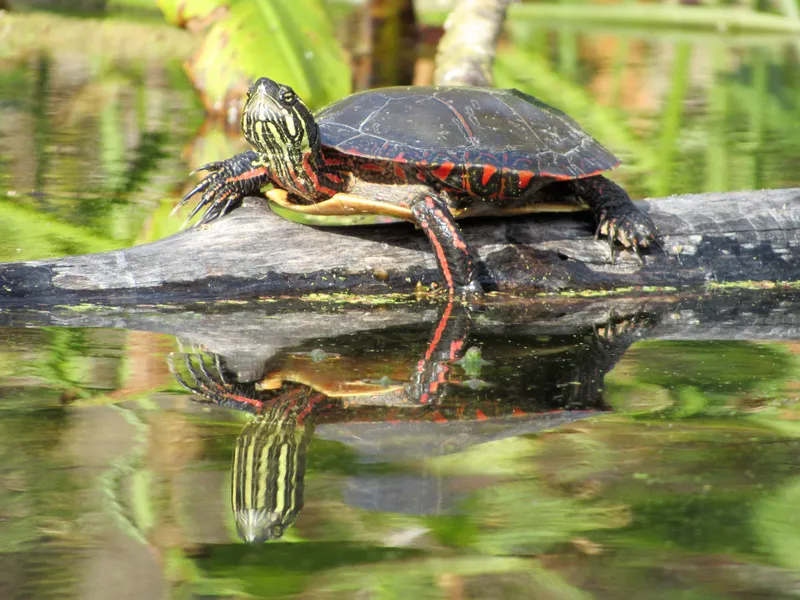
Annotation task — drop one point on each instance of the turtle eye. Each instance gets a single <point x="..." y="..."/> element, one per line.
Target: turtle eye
<point x="276" y="531"/>
<point x="288" y="97"/>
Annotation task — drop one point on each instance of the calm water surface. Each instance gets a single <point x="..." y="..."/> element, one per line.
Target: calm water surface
<point x="650" y="450"/>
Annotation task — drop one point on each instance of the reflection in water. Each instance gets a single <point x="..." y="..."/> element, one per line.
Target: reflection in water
<point x="692" y="483"/>
<point x="269" y="458"/>
<point x="269" y="463"/>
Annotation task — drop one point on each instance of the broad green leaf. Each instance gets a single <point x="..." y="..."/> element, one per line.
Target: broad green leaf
<point x="181" y="12"/>
<point x="287" y="40"/>
<point x="28" y="234"/>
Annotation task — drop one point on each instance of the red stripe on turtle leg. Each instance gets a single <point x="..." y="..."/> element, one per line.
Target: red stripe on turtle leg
<point x="441" y="257"/>
<point x="446" y="341"/>
<point x="251" y="174"/>
<point x="452" y="252"/>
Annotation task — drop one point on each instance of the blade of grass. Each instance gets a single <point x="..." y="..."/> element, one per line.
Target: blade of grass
<point x="671" y="123"/>
<point x="717" y="176"/>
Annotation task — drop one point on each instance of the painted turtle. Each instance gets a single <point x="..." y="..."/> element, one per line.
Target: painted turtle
<point x="429" y="155"/>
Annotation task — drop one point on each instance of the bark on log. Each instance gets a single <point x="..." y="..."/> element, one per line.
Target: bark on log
<point x="710" y="238"/>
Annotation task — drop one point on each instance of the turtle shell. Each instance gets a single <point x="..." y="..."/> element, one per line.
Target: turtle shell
<point x="466" y="126"/>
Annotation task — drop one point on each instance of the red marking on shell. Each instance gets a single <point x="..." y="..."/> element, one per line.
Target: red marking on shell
<point x="488" y="171"/>
<point x="333" y="161"/>
<point x="459" y="116"/>
<point x="371" y="167"/>
<point x="399" y="172"/>
<point x="525" y="178"/>
<point x="443" y="171"/>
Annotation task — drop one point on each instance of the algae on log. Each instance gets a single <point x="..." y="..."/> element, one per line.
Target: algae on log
<point x="708" y="238"/>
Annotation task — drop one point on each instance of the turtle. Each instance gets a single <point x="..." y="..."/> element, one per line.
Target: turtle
<point x="426" y="154"/>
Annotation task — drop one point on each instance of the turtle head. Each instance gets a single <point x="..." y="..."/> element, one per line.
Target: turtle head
<point x="258" y="526"/>
<point x="277" y="122"/>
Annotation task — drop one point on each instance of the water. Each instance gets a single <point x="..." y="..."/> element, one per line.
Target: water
<point x="645" y="448"/>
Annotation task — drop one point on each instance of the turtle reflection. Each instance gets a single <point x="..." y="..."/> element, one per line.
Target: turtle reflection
<point x="269" y="463"/>
<point x="302" y="388"/>
<point x="269" y="458"/>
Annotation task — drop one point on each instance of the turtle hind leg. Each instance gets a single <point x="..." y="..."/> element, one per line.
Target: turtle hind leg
<point x="449" y="245"/>
<point x="617" y="216"/>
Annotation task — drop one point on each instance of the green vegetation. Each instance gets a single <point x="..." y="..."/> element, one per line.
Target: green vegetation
<point x="689" y="489"/>
<point x="690" y="107"/>
<point x="295" y="35"/>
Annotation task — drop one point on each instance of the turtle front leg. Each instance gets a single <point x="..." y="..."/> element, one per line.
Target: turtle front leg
<point x="616" y="214"/>
<point x="227" y="184"/>
<point x="449" y="246"/>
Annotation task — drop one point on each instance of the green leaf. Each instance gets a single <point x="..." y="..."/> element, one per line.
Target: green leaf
<point x="287" y="40"/>
<point x="27" y="233"/>
<point x="181" y="12"/>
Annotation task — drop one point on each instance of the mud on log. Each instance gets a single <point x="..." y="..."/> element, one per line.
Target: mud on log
<point x="730" y="237"/>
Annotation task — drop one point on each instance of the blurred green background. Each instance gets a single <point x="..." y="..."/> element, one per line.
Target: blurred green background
<point x="105" y="111"/>
<point x="111" y="479"/>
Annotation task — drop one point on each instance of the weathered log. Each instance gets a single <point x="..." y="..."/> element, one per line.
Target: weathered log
<point x="710" y="238"/>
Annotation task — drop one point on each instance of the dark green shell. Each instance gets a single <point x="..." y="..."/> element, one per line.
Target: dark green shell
<point x="468" y="127"/>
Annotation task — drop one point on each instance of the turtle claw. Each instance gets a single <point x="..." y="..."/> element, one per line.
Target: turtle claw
<point x="212" y="166"/>
<point x="227" y="183"/>
<point x="633" y="230"/>
<point x="200" y="187"/>
<point x="613" y="234"/>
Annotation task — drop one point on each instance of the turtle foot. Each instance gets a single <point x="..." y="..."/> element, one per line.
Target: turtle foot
<point x="226" y="185"/>
<point x="633" y="230"/>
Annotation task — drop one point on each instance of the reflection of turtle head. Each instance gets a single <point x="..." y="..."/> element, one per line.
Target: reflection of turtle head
<point x="256" y="526"/>
<point x="269" y="459"/>
<point x="269" y="464"/>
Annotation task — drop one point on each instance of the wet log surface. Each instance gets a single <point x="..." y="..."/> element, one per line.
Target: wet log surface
<point x="719" y="237"/>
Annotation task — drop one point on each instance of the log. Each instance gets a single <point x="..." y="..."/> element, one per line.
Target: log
<point x="707" y="239"/>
